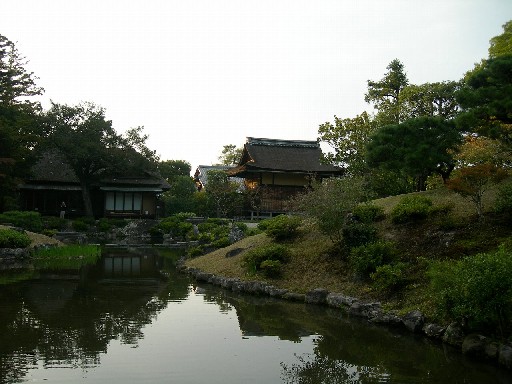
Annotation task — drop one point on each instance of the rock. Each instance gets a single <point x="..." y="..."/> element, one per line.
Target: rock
<point x="338" y="300"/>
<point x="363" y="309"/>
<point x="414" y="321"/>
<point x="454" y="335"/>
<point x="379" y="317"/>
<point x="505" y="356"/>
<point x="474" y="345"/>
<point x="233" y="252"/>
<point x="294" y="296"/>
<point x="433" y="330"/>
<point x="317" y="296"/>
<point x="491" y="350"/>
<point x="275" y="292"/>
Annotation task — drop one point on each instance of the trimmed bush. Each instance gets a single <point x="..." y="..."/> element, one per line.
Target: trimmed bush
<point x="477" y="288"/>
<point x="56" y="223"/>
<point x="80" y="225"/>
<point x="282" y="227"/>
<point x="411" y="208"/>
<point x="357" y="234"/>
<point x="503" y="203"/>
<point x="29" y="221"/>
<point x="365" y="259"/>
<point x="271" y="268"/>
<point x="389" y="277"/>
<point x="368" y="213"/>
<point x="9" y="238"/>
<point x="252" y="261"/>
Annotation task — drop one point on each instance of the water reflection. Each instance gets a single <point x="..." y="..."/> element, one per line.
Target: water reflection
<point x="133" y="300"/>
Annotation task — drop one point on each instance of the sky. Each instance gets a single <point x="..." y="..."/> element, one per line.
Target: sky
<point x="201" y="74"/>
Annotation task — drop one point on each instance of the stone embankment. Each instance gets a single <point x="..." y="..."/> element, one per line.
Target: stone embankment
<point x="473" y="345"/>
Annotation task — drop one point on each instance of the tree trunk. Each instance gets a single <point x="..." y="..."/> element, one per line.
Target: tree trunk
<point x="86" y="196"/>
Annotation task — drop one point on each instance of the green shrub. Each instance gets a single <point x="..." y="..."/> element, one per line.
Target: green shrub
<point x="368" y="213"/>
<point x="411" y="208"/>
<point x="389" y="277"/>
<point x="503" y="203"/>
<point x="477" y="288"/>
<point x="30" y="221"/>
<point x="80" y="225"/>
<point x="52" y="222"/>
<point x="365" y="259"/>
<point x="271" y="268"/>
<point x="9" y="238"/>
<point x="194" y="251"/>
<point x="175" y="225"/>
<point x="253" y="259"/>
<point x="221" y="243"/>
<point x="283" y="227"/>
<point x="357" y="234"/>
<point x="104" y="225"/>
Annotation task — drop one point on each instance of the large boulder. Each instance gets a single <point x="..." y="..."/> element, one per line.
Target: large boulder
<point x="433" y="331"/>
<point x="505" y="356"/>
<point x="474" y="345"/>
<point x="317" y="296"/>
<point x="414" y="321"/>
<point x="454" y="335"/>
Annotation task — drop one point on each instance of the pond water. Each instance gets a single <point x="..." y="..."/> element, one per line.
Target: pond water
<point x="120" y="321"/>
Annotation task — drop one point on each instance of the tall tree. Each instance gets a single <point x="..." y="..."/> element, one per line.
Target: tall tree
<point x="18" y="120"/>
<point x="91" y="146"/>
<point x="385" y="94"/>
<point x="418" y="147"/>
<point x="430" y="99"/>
<point x="486" y="100"/>
<point x="170" y="169"/>
<point x="348" y="139"/>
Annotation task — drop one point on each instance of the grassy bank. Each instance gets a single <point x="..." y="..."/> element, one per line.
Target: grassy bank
<point x="451" y="234"/>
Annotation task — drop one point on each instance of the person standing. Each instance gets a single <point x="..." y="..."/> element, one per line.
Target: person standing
<point x="62" y="210"/>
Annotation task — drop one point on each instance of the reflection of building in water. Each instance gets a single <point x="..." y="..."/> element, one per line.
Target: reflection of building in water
<point x="131" y="265"/>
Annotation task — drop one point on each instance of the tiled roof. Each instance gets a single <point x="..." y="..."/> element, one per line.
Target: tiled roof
<point x="283" y="155"/>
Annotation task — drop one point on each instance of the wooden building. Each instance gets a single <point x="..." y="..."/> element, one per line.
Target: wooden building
<point x="277" y="170"/>
<point x="124" y="195"/>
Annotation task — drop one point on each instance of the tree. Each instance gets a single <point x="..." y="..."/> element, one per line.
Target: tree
<point x="502" y="44"/>
<point x="385" y="94"/>
<point x="348" y="138"/>
<point x="418" y="147"/>
<point x="231" y="155"/>
<point x="18" y="121"/>
<point x="430" y="99"/>
<point x="91" y="147"/>
<point x="180" y="197"/>
<point x="473" y="182"/>
<point x="486" y="100"/>
<point x="224" y="193"/>
<point x="170" y="169"/>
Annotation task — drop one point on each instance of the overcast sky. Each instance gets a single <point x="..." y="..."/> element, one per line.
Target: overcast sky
<point x="200" y="74"/>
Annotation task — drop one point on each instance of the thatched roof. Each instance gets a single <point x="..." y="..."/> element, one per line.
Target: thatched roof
<point x="272" y="155"/>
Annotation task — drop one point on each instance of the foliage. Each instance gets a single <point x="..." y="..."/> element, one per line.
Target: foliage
<point x="368" y="213"/>
<point x="385" y="94"/>
<point x="473" y="182"/>
<point x="271" y="268"/>
<point x="282" y="227"/>
<point x="180" y="196"/>
<point x="389" y="277"/>
<point x="10" y="238"/>
<point x="52" y="222"/>
<point x="176" y="226"/>
<point x="411" y="208"/>
<point x="171" y="169"/>
<point x="252" y="260"/>
<point x="365" y="259"/>
<point x="81" y="224"/>
<point x="223" y="194"/>
<point x="503" y="202"/>
<point x="329" y="204"/>
<point x="477" y="288"/>
<point x="106" y="224"/>
<point x="230" y="155"/>
<point x="348" y="138"/>
<point x="486" y="100"/>
<point x="482" y="150"/>
<point x="356" y="234"/>
<point x="66" y="257"/>
<point x="30" y="221"/>
<point x="418" y="147"/>
<point x="502" y="44"/>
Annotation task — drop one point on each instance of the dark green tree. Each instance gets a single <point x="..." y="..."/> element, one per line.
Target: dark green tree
<point x="385" y="94"/>
<point x="180" y="197"/>
<point x="170" y="169"/>
<point x="18" y="121"/>
<point x="418" y="147"/>
<point x="223" y="193"/>
<point x="502" y="44"/>
<point x="430" y="99"/>
<point x="486" y="100"/>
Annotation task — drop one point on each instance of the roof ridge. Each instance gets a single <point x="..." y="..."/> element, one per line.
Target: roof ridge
<point x="283" y="143"/>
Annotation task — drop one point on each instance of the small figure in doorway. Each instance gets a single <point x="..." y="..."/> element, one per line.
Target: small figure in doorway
<point x="62" y="210"/>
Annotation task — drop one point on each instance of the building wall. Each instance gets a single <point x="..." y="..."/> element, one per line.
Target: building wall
<point x="289" y="179"/>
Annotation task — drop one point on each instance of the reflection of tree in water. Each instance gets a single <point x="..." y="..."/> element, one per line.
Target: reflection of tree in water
<point x="71" y="323"/>
<point x="324" y="370"/>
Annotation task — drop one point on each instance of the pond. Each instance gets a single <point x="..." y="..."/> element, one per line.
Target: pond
<point x="132" y="318"/>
